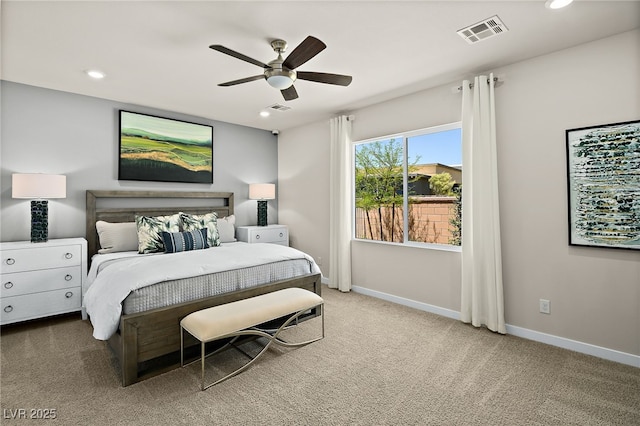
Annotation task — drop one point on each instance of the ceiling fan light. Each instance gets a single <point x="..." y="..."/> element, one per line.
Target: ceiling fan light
<point x="280" y="82"/>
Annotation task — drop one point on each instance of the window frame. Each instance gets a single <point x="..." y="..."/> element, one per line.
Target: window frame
<point x="404" y="136"/>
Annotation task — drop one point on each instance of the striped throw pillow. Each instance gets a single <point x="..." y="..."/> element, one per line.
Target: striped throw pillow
<point x="185" y="241"/>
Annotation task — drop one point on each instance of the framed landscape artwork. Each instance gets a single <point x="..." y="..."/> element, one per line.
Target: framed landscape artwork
<point x="161" y="149"/>
<point x="603" y="174"/>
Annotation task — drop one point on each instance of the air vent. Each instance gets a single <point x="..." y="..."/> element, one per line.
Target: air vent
<point x="483" y="30"/>
<point x="278" y="107"/>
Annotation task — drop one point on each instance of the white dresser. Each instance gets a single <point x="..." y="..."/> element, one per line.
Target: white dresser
<point x="276" y="234"/>
<point x="41" y="279"/>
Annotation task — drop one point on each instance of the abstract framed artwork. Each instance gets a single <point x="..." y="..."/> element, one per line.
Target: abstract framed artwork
<point x="166" y="150"/>
<point x="603" y="177"/>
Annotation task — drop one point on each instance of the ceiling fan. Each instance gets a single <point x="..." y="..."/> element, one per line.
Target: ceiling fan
<point x="281" y="73"/>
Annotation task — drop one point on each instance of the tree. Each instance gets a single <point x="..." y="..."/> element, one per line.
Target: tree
<point x="456" y="220"/>
<point x="442" y="184"/>
<point x="379" y="186"/>
<point x="379" y="181"/>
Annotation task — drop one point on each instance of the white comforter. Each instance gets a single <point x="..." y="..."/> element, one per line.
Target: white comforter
<point x="112" y="282"/>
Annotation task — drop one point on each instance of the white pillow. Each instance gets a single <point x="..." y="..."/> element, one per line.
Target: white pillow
<point x="115" y="237"/>
<point x="226" y="229"/>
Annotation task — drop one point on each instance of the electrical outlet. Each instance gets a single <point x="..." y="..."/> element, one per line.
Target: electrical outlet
<point x="319" y="260"/>
<point x="545" y="306"/>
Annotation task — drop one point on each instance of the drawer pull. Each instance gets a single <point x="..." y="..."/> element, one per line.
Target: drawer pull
<point x="8" y="284"/>
<point x="68" y="255"/>
<point x="8" y="308"/>
<point x="258" y="237"/>
<point x="282" y="234"/>
<point x="10" y="261"/>
<point x="68" y="277"/>
<point x="68" y="294"/>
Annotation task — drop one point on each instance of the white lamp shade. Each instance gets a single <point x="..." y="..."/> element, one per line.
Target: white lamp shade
<point x="38" y="185"/>
<point x="262" y="191"/>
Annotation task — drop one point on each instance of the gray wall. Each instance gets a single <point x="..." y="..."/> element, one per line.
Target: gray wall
<point x="48" y="131"/>
<point x="594" y="292"/>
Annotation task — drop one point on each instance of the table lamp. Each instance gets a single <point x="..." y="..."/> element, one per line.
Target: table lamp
<point x="262" y="192"/>
<point x="39" y="188"/>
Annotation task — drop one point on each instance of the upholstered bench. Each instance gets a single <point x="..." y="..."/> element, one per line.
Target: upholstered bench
<point x="236" y="319"/>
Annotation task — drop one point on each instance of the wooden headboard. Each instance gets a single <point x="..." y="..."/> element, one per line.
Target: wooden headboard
<point x="123" y="206"/>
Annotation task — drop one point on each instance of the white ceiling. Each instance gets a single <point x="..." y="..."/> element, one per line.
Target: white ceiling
<point x="156" y="54"/>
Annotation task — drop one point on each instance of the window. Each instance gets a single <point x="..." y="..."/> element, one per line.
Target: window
<point x="407" y="187"/>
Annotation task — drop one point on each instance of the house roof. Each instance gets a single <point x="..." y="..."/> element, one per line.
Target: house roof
<point x="436" y="168"/>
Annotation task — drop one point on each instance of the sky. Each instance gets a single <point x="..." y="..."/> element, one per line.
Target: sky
<point x="444" y="147"/>
<point x="441" y="147"/>
<point x="166" y="126"/>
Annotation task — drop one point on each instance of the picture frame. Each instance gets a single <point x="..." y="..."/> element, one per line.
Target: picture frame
<point x="153" y="148"/>
<point x="603" y="185"/>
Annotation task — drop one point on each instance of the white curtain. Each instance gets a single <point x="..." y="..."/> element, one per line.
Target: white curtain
<point x="482" y="295"/>
<point x="340" y="204"/>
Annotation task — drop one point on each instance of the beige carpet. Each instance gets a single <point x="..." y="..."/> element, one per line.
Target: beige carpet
<point x="380" y="364"/>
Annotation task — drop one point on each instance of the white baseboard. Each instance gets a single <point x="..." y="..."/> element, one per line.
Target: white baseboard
<point x="573" y="345"/>
<point x="408" y="302"/>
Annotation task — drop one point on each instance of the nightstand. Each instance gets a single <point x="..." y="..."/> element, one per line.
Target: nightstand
<point x="276" y="234"/>
<point x="41" y="279"/>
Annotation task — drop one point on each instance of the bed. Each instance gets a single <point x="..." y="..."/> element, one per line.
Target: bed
<point x="147" y="343"/>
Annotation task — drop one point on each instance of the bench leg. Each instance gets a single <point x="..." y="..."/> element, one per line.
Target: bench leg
<point x="272" y="339"/>
<point x="202" y="357"/>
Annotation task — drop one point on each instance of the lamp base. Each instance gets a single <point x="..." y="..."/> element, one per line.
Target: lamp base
<point x="262" y="213"/>
<point x="39" y="221"/>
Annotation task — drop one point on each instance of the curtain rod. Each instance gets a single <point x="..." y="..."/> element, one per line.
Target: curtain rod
<point x="497" y="80"/>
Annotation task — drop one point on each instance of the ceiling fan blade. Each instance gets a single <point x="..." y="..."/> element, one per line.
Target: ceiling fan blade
<point x="289" y="93"/>
<point x="321" y="77"/>
<point x="242" y="80"/>
<point x="240" y="56"/>
<point x="306" y="50"/>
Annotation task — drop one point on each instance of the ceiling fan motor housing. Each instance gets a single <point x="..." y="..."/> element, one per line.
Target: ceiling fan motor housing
<point x="277" y="75"/>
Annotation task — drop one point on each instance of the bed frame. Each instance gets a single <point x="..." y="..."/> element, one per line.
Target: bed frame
<point x="148" y="343"/>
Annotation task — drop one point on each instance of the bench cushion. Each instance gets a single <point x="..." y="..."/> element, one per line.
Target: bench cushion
<point x="218" y="321"/>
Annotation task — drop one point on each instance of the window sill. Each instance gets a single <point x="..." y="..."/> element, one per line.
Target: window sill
<point x="427" y="246"/>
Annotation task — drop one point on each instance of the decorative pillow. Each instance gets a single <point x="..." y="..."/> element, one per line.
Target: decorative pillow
<point x="150" y="230"/>
<point x="185" y="241"/>
<point x="116" y="237"/>
<point x="191" y="222"/>
<point x="226" y="229"/>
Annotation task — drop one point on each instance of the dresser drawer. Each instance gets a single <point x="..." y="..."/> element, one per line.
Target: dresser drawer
<point x="37" y="281"/>
<point x="28" y="306"/>
<point x="29" y="259"/>
<point x="279" y="235"/>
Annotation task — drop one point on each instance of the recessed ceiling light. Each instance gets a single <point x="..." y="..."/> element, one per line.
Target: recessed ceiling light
<point x="95" y="74"/>
<point x="557" y="4"/>
<point x="264" y="113"/>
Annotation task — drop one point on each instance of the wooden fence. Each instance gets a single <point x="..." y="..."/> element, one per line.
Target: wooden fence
<point x="429" y="221"/>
